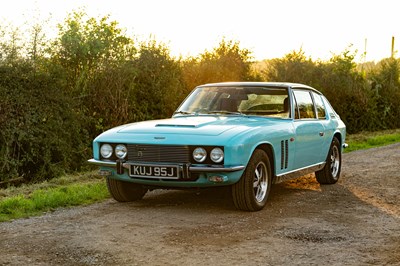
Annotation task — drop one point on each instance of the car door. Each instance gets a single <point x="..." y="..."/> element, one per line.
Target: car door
<point x="329" y="128"/>
<point x="309" y="130"/>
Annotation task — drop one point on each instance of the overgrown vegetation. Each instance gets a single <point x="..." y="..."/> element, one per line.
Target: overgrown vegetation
<point x="57" y="95"/>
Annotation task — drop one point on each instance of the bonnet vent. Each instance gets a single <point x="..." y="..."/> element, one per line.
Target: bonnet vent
<point x="175" y="125"/>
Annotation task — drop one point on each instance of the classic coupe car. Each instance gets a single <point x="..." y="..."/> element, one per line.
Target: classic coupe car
<point x="246" y="135"/>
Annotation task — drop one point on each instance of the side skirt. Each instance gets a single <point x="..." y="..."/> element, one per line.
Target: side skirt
<point x="298" y="173"/>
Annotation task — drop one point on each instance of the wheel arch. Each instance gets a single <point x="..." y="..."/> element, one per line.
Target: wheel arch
<point x="269" y="150"/>
<point x="338" y="135"/>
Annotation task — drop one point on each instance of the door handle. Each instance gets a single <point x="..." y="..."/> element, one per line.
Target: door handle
<point x="321" y="134"/>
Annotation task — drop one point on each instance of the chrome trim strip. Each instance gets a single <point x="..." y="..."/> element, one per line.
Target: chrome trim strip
<point x="216" y="169"/>
<point x="102" y="163"/>
<point x="299" y="172"/>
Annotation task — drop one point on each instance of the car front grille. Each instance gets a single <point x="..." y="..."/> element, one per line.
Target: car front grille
<point x="158" y="153"/>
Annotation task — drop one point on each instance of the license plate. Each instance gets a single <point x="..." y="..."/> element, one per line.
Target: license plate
<point x="154" y="171"/>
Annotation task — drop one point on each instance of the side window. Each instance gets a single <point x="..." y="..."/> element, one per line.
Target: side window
<point x="319" y="106"/>
<point x="305" y="104"/>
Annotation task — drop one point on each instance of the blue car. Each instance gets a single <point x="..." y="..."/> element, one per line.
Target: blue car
<point x="246" y="135"/>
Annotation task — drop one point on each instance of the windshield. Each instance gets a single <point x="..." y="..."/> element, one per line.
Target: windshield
<point x="237" y="100"/>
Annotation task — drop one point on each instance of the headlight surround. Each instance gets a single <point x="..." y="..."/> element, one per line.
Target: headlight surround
<point x="199" y="154"/>
<point x="217" y="155"/>
<point x="121" y="151"/>
<point x="106" y="151"/>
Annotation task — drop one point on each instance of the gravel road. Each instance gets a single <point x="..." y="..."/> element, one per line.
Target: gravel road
<point x="354" y="222"/>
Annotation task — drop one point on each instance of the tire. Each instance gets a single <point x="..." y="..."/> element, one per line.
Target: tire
<point x="331" y="172"/>
<point x="125" y="191"/>
<point x="251" y="192"/>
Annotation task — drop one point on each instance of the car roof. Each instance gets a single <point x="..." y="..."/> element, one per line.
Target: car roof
<point x="259" y="84"/>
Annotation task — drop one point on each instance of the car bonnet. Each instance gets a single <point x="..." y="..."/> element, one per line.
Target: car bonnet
<point x="193" y="125"/>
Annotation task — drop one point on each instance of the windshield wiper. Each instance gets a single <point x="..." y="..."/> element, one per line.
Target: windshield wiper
<point x="183" y="113"/>
<point x="208" y="112"/>
<point x="225" y="112"/>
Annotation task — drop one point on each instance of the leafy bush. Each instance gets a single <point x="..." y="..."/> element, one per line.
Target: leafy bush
<point x="385" y="86"/>
<point x="40" y="133"/>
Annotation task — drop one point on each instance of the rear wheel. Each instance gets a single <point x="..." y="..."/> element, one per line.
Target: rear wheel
<point x="331" y="172"/>
<point x="252" y="190"/>
<point x="125" y="191"/>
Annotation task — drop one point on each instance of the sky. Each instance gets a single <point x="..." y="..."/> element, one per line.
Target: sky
<point x="268" y="28"/>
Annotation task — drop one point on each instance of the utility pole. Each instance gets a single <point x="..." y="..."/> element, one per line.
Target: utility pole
<point x="392" y="54"/>
<point x="365" y="50"/>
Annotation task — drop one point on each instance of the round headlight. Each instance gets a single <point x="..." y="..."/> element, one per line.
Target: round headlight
<point x="217" y="155"/>
<point x="106" y="151"/>
<point x="121" y="151"/>
<point x="199" y="155"/>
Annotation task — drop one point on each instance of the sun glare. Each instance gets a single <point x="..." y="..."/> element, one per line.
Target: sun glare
<point x="269" y="29"/>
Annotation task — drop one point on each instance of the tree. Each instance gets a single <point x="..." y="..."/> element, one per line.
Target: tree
<point x="293" y="67"/>
<point x="86" y="45"/>
<point x="158" y="86"/>
<point x="227" y="62"/>
<point x="10" y="45"/>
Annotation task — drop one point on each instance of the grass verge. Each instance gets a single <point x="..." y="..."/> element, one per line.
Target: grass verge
<point x="366" y="140"/>
<point x="35" y="199"/>
<point x="86" y="188"/>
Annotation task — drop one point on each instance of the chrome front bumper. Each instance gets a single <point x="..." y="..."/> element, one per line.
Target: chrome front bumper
<point x="191" y="168"/>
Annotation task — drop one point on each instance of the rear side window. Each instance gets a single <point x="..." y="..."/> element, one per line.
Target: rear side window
<point x="304" y="105"/>
<point x="319" y="106"/>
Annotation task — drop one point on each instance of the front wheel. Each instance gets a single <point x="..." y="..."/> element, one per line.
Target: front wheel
<point x="252" y="190"/>
<point x="125" y="191"/>
<point x="331" y="172"/>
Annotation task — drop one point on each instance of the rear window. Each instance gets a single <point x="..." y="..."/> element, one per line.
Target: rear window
<point x="319" y="106"/>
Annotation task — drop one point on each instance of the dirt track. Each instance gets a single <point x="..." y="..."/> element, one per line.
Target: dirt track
<point x="355" y="222"/>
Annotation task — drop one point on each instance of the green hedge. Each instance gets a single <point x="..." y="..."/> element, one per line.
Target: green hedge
<point x="41" y="133"/>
